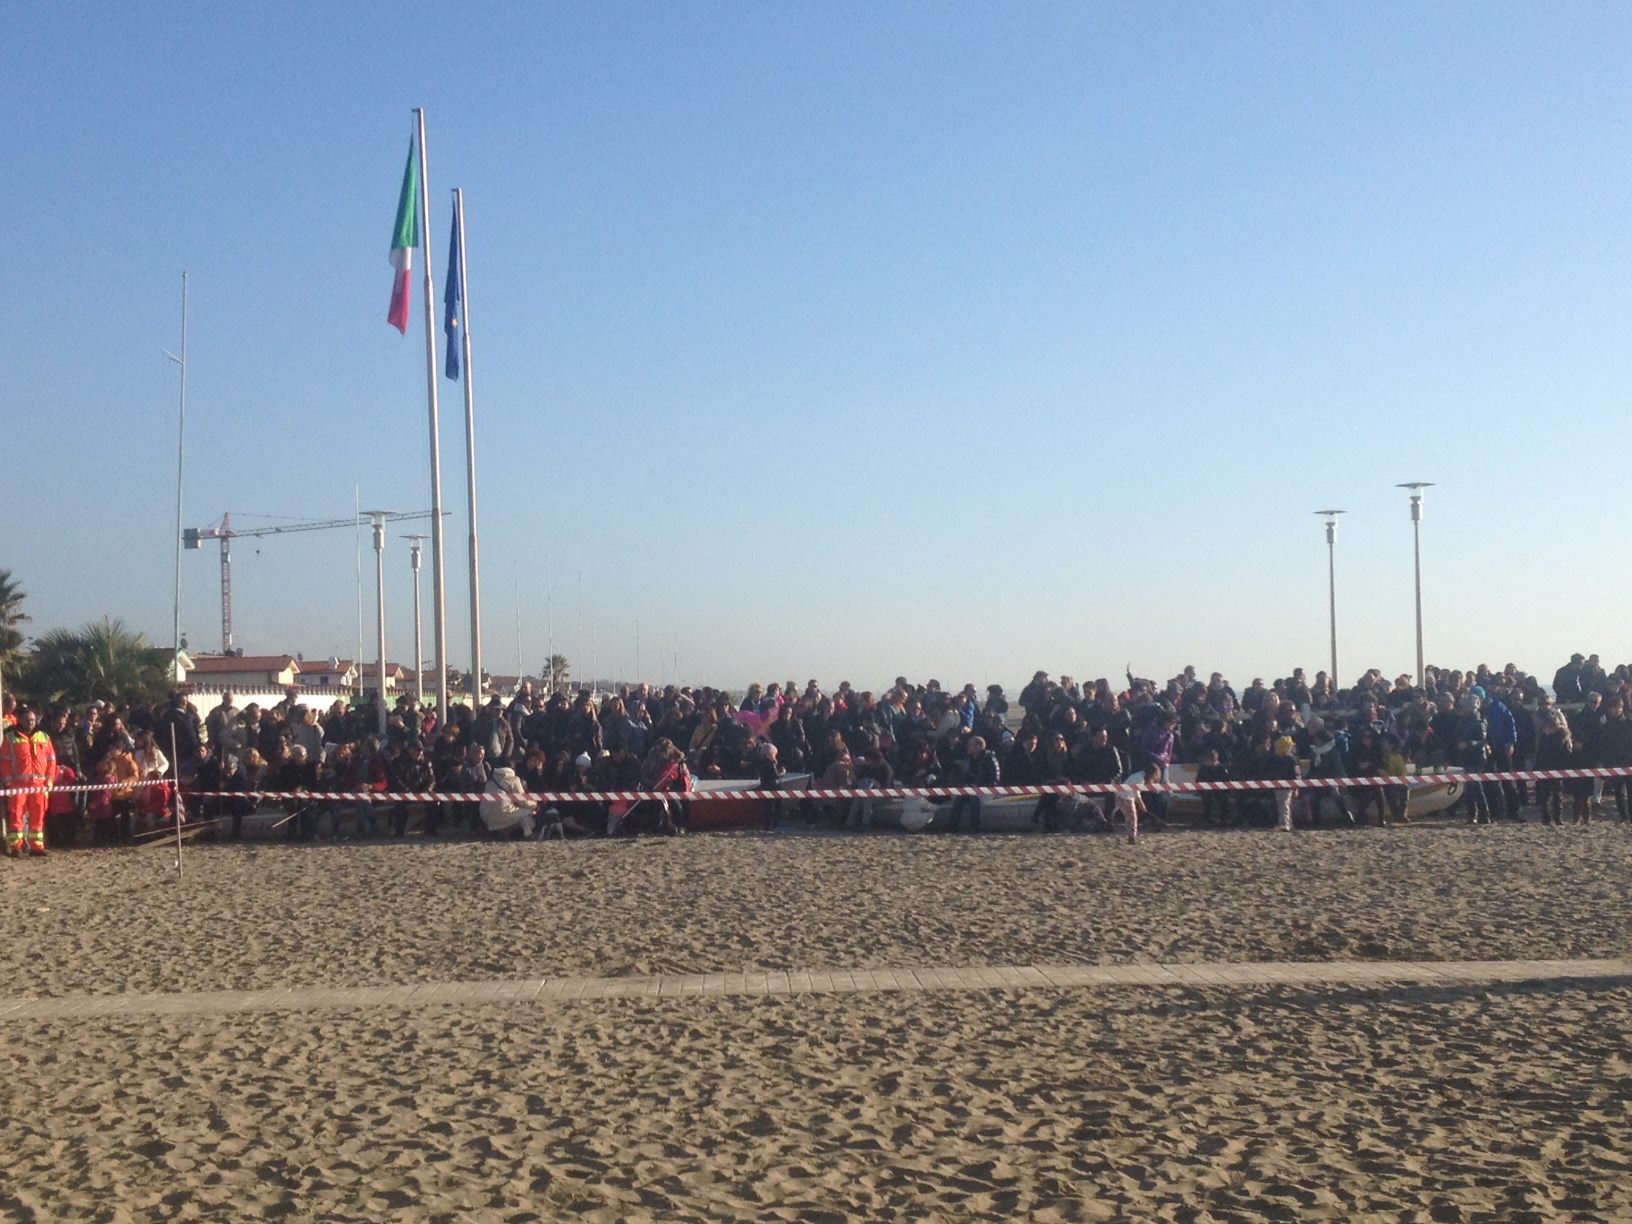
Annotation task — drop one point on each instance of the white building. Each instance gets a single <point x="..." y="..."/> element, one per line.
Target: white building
<point x="242" y="671"/>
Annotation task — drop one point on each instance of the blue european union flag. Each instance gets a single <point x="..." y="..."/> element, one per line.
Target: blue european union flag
<point x="453" y="296"/>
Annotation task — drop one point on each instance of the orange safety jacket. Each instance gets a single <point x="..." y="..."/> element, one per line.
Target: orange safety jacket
<point x="27" y="759"/>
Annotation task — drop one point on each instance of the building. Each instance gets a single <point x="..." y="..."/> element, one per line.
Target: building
<point x="242" y="671"/>
<point x="341" y="676"/>
<point x="368" y="676"/>
<point x="337" y="675"/>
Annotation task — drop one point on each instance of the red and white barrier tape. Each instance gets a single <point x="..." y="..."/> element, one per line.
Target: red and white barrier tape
<point x="877" y="792"/>
<point x="77" y="787"/>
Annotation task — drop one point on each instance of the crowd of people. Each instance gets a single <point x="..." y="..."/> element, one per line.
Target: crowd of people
<point x="1057" y="731"/>
<point x="1478" y="721"/>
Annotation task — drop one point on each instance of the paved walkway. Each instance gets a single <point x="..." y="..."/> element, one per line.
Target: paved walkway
<point x="549" y="990"/>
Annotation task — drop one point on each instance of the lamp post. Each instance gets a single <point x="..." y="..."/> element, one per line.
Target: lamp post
<point x="414" y="542"/>
<point x="377" y="517"/>
<point x="1416" y="487"/>
<point x="1331" y="581"/>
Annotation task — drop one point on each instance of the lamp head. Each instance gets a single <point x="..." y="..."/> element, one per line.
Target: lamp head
<point x="377" y="517"/>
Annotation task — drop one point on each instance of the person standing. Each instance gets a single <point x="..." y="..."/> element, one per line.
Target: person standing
<point x="1554" y="750"/>
<point x="219" y="719"/>
<point x="1567" y="680"/>
<point x="154" y="767"/>
<point x="1473" y="746"/>
<point x="1282" y="766"/>
<point x="1615" y="752"/>
<point x="978" y="766"/>
<point x="1593" y="677"/>
<point x="1504" y="740"/>
<point x="1586" y="726"/>
<point x="27" y="759"/>
<point x="1156" y="743"/>
<point x="411" y="772"/>
<point x="67" y="810"/>
<point x="470" y="778"/>
<point x="178" y="725"/>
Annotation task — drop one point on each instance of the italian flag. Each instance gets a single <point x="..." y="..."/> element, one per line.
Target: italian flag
<point x="404" y="238"/>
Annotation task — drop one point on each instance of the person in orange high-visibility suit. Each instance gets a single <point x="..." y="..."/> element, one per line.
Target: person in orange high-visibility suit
<point x="27" y="758"/>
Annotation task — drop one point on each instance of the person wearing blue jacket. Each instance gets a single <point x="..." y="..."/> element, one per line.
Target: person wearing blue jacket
<point x="1503" y="730"/>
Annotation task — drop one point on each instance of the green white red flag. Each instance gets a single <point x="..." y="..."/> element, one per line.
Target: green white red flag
<point x="404" y="238"/>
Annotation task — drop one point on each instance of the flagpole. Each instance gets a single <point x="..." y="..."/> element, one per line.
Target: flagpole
<point x="439" y="606"/>
<point x="470" y="461"/>
<point x="181" y="453"/>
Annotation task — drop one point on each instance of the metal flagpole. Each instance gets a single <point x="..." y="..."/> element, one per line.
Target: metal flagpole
<point x="439" y="603"/>
<point x="181" y="454"/>
<point x="470" y="460"/>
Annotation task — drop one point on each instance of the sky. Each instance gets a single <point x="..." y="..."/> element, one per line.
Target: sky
<point x="836" y="340"/>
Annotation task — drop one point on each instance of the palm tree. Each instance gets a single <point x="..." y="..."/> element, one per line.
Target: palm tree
<point x="11" y="616"/>
<point x="104" y="660"/>
<point x="558" y="669"/>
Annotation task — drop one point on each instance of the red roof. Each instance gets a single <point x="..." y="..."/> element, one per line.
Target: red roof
<point x="217" y="664"/>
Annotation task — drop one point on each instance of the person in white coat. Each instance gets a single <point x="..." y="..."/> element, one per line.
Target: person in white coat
<point x="505" y="804"/>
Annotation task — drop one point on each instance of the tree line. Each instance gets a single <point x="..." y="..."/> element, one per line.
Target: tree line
<point x="103" y="660"/>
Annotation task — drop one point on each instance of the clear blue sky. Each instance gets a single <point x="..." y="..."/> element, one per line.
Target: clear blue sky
<point x="840" y="340"/>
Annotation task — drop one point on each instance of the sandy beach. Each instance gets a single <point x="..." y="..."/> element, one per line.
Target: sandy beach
<point x="382" y="913"/>
<point x="1275" y="1103"/>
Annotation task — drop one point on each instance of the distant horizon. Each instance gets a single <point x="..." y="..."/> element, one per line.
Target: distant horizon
<point x="1270" y="678"/>
<point x="1543" y="675"/>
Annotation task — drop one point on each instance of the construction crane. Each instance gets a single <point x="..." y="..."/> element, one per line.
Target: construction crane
<point x="194" y="537"/>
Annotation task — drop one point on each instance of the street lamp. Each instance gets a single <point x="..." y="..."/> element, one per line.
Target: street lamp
<point x="1416" y="487"/>
<point x="1331" y="580"/>
<point x="414" y="542"/>
<point x="378" y="517"/>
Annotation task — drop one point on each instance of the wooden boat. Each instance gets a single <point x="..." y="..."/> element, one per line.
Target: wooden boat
<point x="743" y="813"/>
